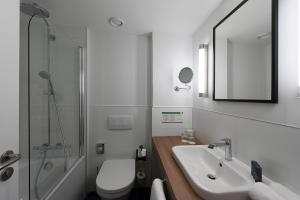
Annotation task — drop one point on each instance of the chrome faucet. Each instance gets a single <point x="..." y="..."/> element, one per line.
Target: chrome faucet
<point x="227" y="145"/>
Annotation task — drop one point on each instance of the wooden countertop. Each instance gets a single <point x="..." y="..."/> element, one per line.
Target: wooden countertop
<point x="177" y="184"/>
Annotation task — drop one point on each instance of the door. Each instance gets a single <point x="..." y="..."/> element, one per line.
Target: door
<point x="9" y="91"/>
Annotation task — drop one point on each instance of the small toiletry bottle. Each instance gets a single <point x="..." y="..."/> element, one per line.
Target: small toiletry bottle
<point x="144" y="152"/>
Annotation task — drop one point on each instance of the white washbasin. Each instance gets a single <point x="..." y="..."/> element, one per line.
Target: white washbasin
<point x="232" y="178"/>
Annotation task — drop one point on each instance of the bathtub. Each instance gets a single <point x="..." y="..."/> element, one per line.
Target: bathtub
<point x="52" y="178"/>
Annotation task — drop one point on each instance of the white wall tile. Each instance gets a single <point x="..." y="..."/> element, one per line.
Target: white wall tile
<point x="119" y="77"/>
<point x="171" y="53"/>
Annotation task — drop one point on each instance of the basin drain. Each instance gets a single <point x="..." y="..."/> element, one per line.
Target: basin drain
<point x="211" y="176"/>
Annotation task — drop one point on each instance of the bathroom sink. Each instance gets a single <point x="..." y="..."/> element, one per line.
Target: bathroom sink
<point x="210" y="175"/>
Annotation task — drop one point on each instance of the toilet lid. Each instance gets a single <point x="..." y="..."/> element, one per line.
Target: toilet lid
<point x="116" y="175"/>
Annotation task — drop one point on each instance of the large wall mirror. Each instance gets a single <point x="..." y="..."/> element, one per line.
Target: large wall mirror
<point x="245" y="53"/>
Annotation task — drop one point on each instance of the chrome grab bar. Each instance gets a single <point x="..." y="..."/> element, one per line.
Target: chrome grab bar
<point x="8" y="158"/>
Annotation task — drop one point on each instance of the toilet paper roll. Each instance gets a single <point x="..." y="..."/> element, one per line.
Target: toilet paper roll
<point x="140" y="175"/>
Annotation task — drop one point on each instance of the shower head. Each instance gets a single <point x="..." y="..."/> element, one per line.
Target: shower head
<point x="34" y="10"/>
<point x="44" y="75"/>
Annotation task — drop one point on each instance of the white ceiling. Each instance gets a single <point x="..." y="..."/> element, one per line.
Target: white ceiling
<point x="141" y="16"/>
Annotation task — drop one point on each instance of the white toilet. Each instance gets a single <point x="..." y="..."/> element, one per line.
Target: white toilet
<point x="115" y="179"/>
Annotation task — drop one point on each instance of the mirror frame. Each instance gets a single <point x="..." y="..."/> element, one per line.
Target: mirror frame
<point x="274" y="59"/>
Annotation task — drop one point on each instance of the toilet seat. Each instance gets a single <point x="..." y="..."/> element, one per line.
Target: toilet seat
<point x="116" y="177"/>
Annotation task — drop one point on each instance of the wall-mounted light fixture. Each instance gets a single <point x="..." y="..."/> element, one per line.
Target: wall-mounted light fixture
<point x="298" y="93"/>
<point x="203" y="70"/>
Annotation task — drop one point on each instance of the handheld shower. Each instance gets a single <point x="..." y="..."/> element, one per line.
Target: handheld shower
<point x="45" y="75"/>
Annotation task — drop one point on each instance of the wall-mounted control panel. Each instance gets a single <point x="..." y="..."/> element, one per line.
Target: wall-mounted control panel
<point x="172" y="117"/>
<point x="99" y="148"/>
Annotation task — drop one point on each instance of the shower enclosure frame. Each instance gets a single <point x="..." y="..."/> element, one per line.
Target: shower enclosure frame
<point x="82" y="99"/>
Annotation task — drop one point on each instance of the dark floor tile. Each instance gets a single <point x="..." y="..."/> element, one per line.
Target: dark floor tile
<point x="136" y="194"/>
<point x="140" y="194"/>
<point x="92" y="196"/>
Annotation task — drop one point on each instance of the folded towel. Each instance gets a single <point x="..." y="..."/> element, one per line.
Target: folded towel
<point x="261" y="191"/>
<point x="157" y="190"/>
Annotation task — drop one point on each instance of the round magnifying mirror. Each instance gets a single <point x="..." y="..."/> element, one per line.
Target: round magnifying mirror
<point x="186" y="75"/>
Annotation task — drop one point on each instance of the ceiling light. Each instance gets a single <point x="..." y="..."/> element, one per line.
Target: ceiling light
<point x="116" y="22"/>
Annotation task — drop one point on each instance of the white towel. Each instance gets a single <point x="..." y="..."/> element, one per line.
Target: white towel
<point x="261" y="191"/>
<point x="157" y="190"/>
